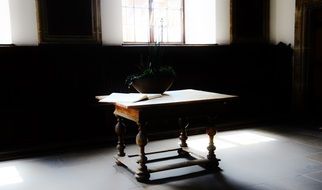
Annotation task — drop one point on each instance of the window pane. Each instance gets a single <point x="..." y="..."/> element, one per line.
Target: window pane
<point x="135" y="14"/>
<point x="141" y="3"/>
<point x="160" y="4"/>
<point x="200" y="22"/>
<point x="141" y="25"/>
<point x="160" y="23"/>
<point x="5" y="26"/>
<point x="127" y="3"/>
<point x="167" y="20"/>
<point x="128" y="24"/>
<point x="174" y="29"/>
<point x="175" y="4"/>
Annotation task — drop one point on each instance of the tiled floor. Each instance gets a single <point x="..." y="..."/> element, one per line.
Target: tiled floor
<point x="262" y="158"/>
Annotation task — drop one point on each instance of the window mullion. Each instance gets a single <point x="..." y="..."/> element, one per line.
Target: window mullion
<point x="134" y="18"/>
<point x="151" y="24"/>
<point x="183" y="25"/>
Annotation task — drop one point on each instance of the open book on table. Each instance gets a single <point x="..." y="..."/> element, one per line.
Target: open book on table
<point x="128" y="97"/>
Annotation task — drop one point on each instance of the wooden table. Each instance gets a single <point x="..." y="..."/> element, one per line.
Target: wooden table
<point x="173" y="104"/>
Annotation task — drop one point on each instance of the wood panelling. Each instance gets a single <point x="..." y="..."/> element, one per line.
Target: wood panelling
<point x="48" y="92"/>
<point x="303" y="52"/>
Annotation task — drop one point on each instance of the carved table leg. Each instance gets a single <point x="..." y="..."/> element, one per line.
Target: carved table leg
<point x="211" y="147"/>
<point x="183" y="136"/>
<point x="120" y="132"/>
<point x="141" y="140"/>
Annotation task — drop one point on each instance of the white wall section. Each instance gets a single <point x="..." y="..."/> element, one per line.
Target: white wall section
<point x="282" y="21"/>
<point x="223" y="21"/>
<point x="23" y="22"/>
<point x="5" y="25"/>
<point x="111" y="21"/>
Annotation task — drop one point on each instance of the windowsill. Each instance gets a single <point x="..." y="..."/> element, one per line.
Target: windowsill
<point x="165" y="45"/>
<point x="7" y="45"/>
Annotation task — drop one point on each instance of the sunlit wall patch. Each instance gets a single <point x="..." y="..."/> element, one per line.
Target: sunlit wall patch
<point x="5" y="25"/>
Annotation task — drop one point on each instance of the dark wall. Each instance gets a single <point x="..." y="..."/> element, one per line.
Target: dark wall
<point x="250" y="21"/>
<point x="314" y="90"/>
<point x="48" y="92"/>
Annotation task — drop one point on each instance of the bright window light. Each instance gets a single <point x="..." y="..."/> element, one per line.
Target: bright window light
<point x="200" y="21"/>
<point x="9" y="175"/>
<point x="246" y="138"/>
<point x="5" y="26"/>
<point x="152" y="21"/>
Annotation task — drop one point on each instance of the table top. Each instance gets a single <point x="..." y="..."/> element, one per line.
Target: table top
<point x="178" y="97"/>
<point x="174" y="103"/>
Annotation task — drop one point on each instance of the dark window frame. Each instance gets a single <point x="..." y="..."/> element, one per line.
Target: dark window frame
<point x="46" y="37"/>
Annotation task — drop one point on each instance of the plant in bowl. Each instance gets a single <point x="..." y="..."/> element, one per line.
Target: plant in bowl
<point x="153" y="75"/>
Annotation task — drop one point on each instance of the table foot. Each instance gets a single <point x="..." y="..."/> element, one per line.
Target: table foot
<point x="212" y="168"/>
<point x="183" y="153"/>
<point x="142" y="177"/>
<point x="213" y="164"/>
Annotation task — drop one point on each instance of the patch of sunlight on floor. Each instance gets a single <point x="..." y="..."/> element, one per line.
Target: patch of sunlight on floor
<point x="9" y="175"/>
<point x="246" y="138"/>
<point x="202" y="143"/>
<point x="229" y="141"/>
